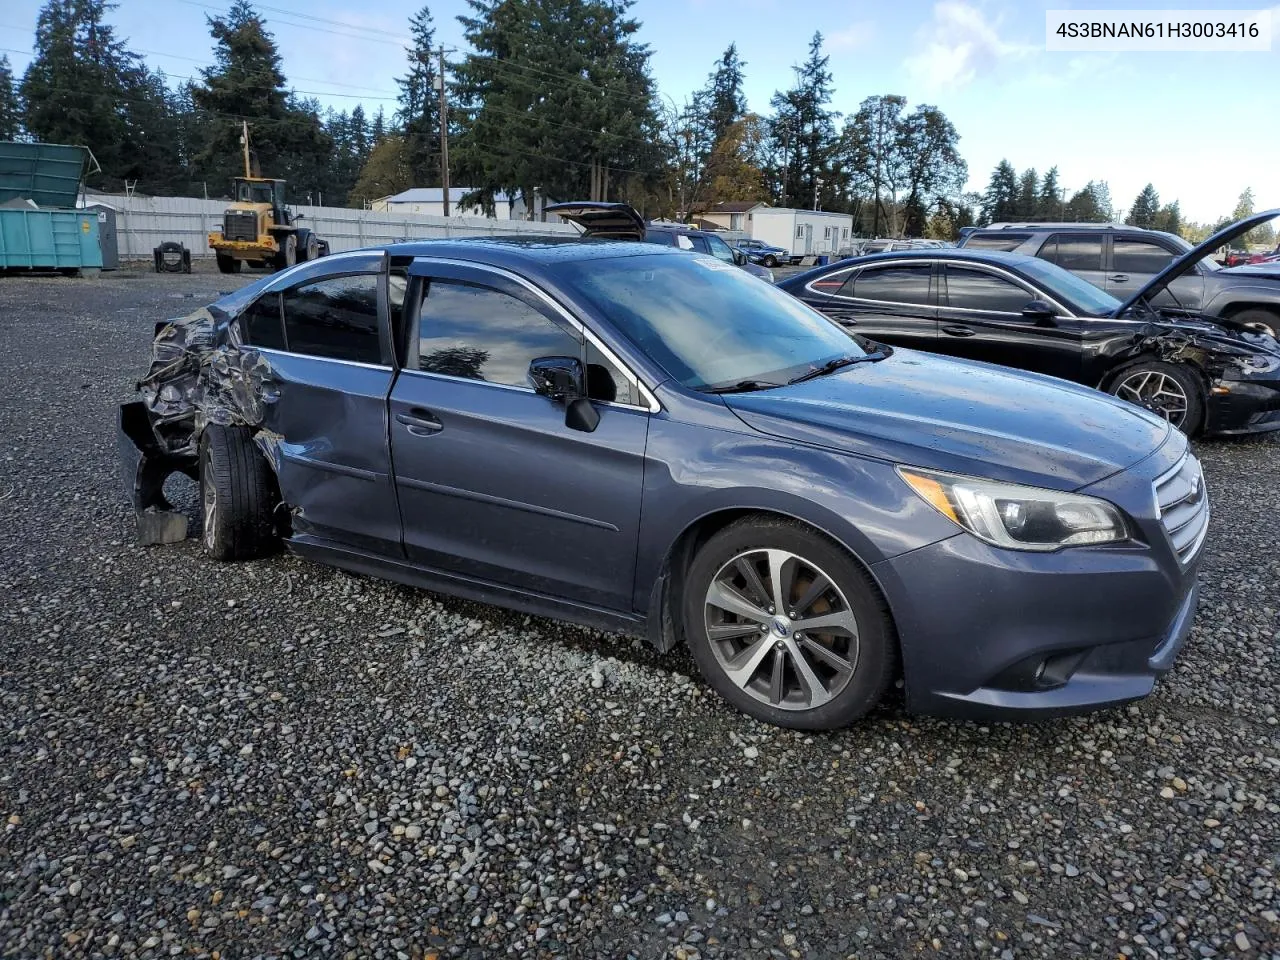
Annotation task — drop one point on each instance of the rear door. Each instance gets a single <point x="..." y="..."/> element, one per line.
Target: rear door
<point x="893" y="302"/>
<point x="493" y="486"/>
<point x="980" y="318"/>
<point x="1078" y="253"/>
<point x="1136" y="259"/>
<point x="326" y="337"/>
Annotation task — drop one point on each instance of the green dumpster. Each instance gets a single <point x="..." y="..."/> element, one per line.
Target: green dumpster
<point x="40" y="227"/>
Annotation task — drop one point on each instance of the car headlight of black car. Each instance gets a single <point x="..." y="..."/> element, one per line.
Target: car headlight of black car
<point x="1017" y="517"/>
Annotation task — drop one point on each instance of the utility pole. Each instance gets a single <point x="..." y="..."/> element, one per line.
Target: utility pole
<point x="244" y="139"/>
<point x="444" y="132"/>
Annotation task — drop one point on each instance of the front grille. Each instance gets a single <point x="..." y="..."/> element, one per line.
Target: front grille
<point x="240" y="226"/>
<point x="1182" y="503"/>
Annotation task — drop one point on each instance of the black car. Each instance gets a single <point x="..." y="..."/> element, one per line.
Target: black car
<point x="1121" y="259"/>
<point x="619" y="221"/>
<point x="1209" y="374"/>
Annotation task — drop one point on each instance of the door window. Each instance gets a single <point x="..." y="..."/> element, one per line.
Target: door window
<point x="479" y="333"/>
<point x="1138" y="256"/>
<point x="700" y="244"/>
<point x="1073" y="252"/>
<point x="891" y="284"/>
<point x="719" y="249"/>
<point x="978" y="290"/>
<point x="335" y="318"/>
<point x="261" y="324"/>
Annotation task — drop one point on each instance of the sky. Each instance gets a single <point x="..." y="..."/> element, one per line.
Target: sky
<point x="1199" y="126"/>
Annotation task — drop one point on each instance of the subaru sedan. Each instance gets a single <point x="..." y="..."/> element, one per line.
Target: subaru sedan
<point x="653" y="442"/>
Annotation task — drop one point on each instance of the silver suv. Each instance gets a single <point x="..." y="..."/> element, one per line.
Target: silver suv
<point x="1120" y="259"/>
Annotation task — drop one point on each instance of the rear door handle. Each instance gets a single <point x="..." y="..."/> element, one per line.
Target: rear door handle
<point x="1119" y="278"/>
<point x="956" y="330"/>
<point x="419" y="422"/>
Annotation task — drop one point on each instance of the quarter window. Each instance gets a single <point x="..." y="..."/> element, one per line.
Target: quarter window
<point x="606" y="382"/>
<point x="1138" y="256"/>
<point x="261" y="323"/>
<point x="977" y="290"/>
<point x="891" y="284"/>
<point x="479" y="333"/>
<point x="1074" y="253"/>
<point x="335" y="318"/>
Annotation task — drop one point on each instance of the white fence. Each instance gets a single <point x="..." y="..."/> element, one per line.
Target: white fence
<point x="142" y="223"/>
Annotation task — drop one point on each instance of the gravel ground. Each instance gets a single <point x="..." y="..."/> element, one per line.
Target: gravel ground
<point x="279" y="759"/>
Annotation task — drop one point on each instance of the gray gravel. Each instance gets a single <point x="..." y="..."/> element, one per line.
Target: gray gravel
<point x="278" y="759"/>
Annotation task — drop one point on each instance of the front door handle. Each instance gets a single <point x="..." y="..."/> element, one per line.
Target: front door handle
<point x="1119" y="278"/>
<point x="419" y="422"/>
<point x="957" y="330"/>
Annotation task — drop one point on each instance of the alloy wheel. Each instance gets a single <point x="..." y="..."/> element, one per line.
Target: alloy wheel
<point x="781" y="629"/>
<point x="208" y="502"/>
<point x="1158" y="392"/>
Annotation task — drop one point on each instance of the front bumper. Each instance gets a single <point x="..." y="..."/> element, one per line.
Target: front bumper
<point x="1248" y="406"/>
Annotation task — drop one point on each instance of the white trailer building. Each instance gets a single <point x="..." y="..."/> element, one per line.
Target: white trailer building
<point x="802" y="232"/>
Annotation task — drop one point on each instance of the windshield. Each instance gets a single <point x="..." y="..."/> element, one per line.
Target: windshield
<point x="1208" y="263"/>
<point x="707" y="323"/>
<point x="1081" y="295"/>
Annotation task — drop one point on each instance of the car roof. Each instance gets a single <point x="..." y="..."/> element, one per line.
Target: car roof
<point x="517" y="250"/>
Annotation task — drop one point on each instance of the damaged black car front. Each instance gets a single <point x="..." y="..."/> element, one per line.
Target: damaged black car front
<point x="1237" y="356"/>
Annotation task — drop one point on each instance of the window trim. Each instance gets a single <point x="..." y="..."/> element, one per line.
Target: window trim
<point x="649" y="403"/>
<point x="383" y="318"/>
<point x="1036" y="293"/>
<point x="930" y="264"/>
<point x="1151" y="241"/>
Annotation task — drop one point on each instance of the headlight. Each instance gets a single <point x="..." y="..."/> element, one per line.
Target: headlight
<point x="1018" y="517"/>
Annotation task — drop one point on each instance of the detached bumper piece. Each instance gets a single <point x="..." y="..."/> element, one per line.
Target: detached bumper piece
<point x="144" y="468"/>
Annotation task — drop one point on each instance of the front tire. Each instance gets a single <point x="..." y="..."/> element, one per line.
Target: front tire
<point x="237" y="495"/>
<point x="227" y="264"/>
<point x="770" y="261"/>
<point x="288" y="254"/>
<point x="820" y="660"/>
<point x="1259" y="318"/>
<point x="1171" y="390"/>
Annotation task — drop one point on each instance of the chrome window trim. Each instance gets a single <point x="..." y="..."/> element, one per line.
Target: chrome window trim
<point x="512" y="386"/>
<point x="275" y="352"/>
<point x="651" y="401"/>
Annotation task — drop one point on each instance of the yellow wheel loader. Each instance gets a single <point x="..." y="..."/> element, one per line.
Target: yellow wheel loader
<point x="258" y="228"/>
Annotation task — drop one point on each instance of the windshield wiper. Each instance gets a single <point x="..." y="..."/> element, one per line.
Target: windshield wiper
<point x="835" y="364"/>
<point x="742" y="386"/>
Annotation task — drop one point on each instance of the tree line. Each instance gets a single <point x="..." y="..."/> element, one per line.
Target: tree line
<point x="552" y="98"/>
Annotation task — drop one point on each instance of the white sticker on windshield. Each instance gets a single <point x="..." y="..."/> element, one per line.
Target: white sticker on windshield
<point x="711" y="263"/>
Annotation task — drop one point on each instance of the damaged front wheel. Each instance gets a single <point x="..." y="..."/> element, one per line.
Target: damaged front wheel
<point x="237" y="495"/>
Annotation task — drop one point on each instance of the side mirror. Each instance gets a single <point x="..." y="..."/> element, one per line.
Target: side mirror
<point x="1041" y="312"/>
<point x="563" y="380"/>
<point x="739" y="258"/>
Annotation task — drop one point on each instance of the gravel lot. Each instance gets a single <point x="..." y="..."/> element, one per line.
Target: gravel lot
<point x="279" y="759"/>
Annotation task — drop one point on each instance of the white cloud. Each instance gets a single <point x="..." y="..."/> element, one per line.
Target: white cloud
<point x="958" y="44"/>
<point x="857" y="34"/>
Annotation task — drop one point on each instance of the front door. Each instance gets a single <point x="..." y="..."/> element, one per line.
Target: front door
<point x="980" y="317"/>
<point x="493" y="486"/>
<point x="1135" y="260"/>
<point x="324" y="413"/>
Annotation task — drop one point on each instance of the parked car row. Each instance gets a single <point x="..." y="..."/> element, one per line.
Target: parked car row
<point x="645" y="439"/>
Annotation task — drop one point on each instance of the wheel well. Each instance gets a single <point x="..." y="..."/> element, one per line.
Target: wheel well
<point x="699" y="532"/>
<point x="1200" y="377"/>
<point x="1232" y="309"/>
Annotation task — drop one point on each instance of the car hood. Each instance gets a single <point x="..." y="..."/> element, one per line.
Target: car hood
<point x="1269" y="269"/>
<point x="1188" y="260"/>
<point x="608" y="221"/>
<point x="960" y="416"/>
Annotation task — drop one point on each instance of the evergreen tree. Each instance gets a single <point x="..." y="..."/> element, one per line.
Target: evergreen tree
<point x="726" y="104"/>
<point x="287" y="138"/>
<point x="1145" y="209"/>
<point x="1028" y="195"/>
<point x="75" y="90"/>
<point x="1000" y="201"/>
<point x="1169" y="219"/>
<point x="733" y="170"/>
<point x="804" y="127"/>
<point x="418" y="115"/>
<point x="1091" y="204"/>
<point x="1050" y="203"/>
<point x="378" y="129"/>
<point x="556" y="98"/>
<point x="10" y="122"/>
